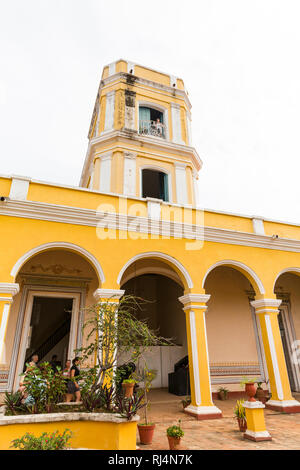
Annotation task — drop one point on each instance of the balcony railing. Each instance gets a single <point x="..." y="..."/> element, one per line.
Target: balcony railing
<point x="157" y="129"/>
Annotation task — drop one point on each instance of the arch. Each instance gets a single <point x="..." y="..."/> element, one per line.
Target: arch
<point x="248" y="272"/>
<point x="59" y="245"/>
<point x="286" y="270"/>
<point x="176" y="265"/>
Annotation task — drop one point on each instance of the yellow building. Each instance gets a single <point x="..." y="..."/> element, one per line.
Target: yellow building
<point x="226" y="286"/>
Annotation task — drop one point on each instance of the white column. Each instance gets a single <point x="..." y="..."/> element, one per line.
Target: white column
<point x="189" y="127"/>
<point x="181" y="184"/>
<point x="109" y="111"/>
<point x="176" y="124"/>
<point x="196" y="189"/>
<point x="129" y="182"/>
<point x="105" y="172"/>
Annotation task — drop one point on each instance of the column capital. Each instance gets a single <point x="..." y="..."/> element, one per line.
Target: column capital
<point x="266" y="305"/>
<point x="108" y="294"/>
<point x="194" y="301"/>
<point x="8" y="290"/>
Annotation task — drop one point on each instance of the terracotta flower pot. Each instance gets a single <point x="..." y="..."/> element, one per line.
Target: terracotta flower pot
<point x="250" y="390"/>
<point x="128" y="389"/>
<point x="260" y="395"/>
<point x="242" y="424"/>
<point x="174" y="442"/>
<point x="146" y="432"/>
<point x="222" y="395"/>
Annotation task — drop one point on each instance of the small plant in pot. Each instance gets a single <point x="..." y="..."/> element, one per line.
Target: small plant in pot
<point x="128" y="386"/>
<point x="174" y="434"/>
<point x="186" y="402"/>
<point x="240" y="415"/>
<point x="223" y="393"/>
<point x="250" y="388"/>
<point x="146" y="428"/>
<point x="260" y="393"/>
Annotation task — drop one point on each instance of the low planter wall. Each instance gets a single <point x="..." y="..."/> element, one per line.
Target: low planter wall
<point x="103" y="431"/>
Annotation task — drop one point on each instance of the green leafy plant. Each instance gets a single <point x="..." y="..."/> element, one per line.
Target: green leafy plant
<point x="175" y="431"/>
<point x="247" y="380"/>
<point x="44" y="387"/>
<point x="128" y="407"/>
<point x="128" y="381"/>
<point x="126" y="337"/>
<point x="47" y="441"/>
<point x="239" y="410"/>
<point x="13" y="403"/>
<point x="146" y="376"/>
<point x="222" y="391"/>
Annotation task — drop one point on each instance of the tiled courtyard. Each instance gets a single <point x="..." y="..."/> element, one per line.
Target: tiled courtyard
<point x="218" y="434"/>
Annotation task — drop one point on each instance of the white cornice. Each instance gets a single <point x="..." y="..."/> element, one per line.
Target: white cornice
<point x="9" y="288"/>
<point x="155" y="142"/>
<point x="118" y="77"/>
<point x="89" y="217"/>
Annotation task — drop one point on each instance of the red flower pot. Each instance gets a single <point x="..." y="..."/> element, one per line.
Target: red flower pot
<point x="242" y="424"/>
<point x="174" y="442"/>
<point x="146" y="432"/>
<point x="250" y="390"/>
<point x="128" y="389"/>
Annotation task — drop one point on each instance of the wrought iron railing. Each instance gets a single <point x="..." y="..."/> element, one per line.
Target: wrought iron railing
<point x="155" y="128"/>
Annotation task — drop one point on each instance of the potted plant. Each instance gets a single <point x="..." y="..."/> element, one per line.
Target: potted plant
<point x="250" y="388"/>
<point x="174" y="434"/>
<point x="260" y="393"/>
<point x="146" y="428"/>
<point x="240" y="415"/>
<point x="128" y="386"/>
<point x="223" y="393"/>
<point x="186" y="402"/>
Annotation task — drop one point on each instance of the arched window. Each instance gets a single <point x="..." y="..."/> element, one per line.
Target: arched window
<point x="151" y="122"/>
<point x="155" y="184"/>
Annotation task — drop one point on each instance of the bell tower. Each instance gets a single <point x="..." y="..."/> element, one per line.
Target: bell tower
<point x="140" y="137"/>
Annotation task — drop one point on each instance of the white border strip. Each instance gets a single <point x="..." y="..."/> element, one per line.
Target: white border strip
<point x="274" y="357"/>
<point x="195" y="358"/>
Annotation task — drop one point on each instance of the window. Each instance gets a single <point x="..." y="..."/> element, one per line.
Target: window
<point x="151" y="122"/>
<point x="155" y="184"/>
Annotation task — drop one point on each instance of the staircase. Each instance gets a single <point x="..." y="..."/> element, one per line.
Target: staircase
<point x="51" y="341"/>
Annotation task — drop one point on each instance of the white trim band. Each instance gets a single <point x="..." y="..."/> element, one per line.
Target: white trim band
<point x="203" y="410"/>
<point x="258" y="434"/>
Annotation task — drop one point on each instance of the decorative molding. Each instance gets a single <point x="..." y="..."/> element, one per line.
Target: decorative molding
<point x="88" y="217"/>
<point x="195" y="298"/>
<point x="55" y="268"/>
<point x="59" y="245"/>
<point x="9" y="288"/>
<point x="263" y="305"/>
<point x="108" y="293"/>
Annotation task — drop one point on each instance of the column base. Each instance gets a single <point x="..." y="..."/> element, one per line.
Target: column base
<point x="203" y="412"/>
<point x="257" y="436"/>
<point x="287" y="406"/>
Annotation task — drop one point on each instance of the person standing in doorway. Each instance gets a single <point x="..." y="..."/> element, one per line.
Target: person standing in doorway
<point x="73" y="387"/>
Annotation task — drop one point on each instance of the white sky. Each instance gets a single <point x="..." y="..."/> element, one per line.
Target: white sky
<point x="240" y="63"/>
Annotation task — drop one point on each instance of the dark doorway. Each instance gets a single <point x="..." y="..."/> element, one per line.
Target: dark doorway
<point x="49" y="329"/>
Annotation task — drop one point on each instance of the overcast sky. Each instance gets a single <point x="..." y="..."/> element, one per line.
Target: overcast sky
<point x="240" y="63"/>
